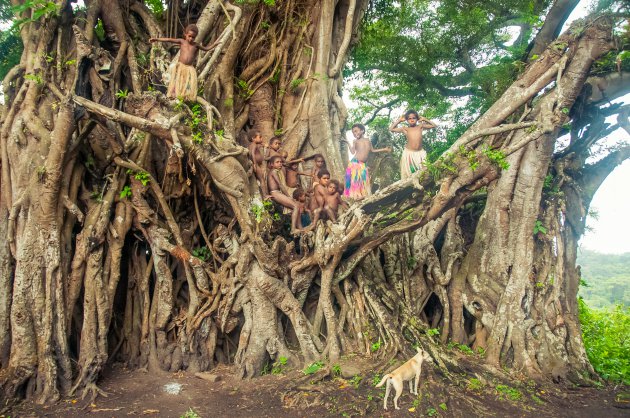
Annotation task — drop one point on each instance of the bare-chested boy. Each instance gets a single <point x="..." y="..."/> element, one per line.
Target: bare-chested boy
<point x="257" y="156"/>
<point x="319" y="191"/>
<point x="274" y="147"/>
<point x="357" y="175"/>
<point x="413" y="155"/>
<point x="292" y="173"/>
<point x="333" y="200"/>
<point x="304" y="214"/>
<point x="278" y="190"/>
<point x="319" y="164"/>
<point x="183" y="82"/>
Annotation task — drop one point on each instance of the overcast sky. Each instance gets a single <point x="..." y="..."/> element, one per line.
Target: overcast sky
<point x="610" y="232"/>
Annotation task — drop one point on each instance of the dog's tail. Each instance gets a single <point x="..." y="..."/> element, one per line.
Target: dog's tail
<point x="387" y="376"/>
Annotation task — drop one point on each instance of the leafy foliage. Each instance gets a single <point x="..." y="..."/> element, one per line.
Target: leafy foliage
<point x="125" y="192"/>
<point x="279" y="365"/>
<point x="10" y="51"/>
<point x="508" y="392"/>
<point x="438" y="59"/>
<point x="313" y="368"/>
<point x="202" y="253"/>
<point x="606" y="334"/>
<point x="33" y="10"/>
<point x="606" y="278"/>
<point x="156" y="7"/>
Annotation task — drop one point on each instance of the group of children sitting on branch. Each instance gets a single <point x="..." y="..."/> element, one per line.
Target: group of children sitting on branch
<point x="278" y="177"/>
<point x="279" y="180"/>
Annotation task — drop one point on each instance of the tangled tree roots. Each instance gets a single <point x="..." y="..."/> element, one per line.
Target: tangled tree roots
<point x="136" y="234"/>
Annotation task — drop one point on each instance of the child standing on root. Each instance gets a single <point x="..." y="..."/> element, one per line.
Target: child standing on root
<point x="183" y="82"/>
<point x="257" y="156"/>
<point x="278" y="190"/>
<point x="357" y="175"/>
<point x="413" y="155"/>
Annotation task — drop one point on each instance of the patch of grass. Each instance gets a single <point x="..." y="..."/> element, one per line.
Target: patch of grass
<point x="279" y="365"/>
<point x="336" y="370"/>
<point x="356" y="381"/>
<point x="190" y="414"/>
<point x="313" y="368"/>
<point x="465" y="349"/>
<point x="510" y="393"/>
<point x="474" y="384"/>
<point x="433" y="331"/>
<point x="122" y="94"/>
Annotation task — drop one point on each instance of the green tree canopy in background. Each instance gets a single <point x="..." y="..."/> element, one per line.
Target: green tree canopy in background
<point x="446" y="64"/>
<point x="606" y="278"/>
<point x="10" y="42"/>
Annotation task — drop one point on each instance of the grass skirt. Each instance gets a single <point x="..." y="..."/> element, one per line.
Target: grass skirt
<point x="183" y="82"/>
<point x="411" y="162"/>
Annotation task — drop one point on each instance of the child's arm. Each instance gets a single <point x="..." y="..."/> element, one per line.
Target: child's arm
<point x="386" y="149"/>
<point x="171" y="40"/>
<point x="393" y="126"/>
<point x="351" y="146"/>
<point x="209" y="47"/>
<point x="426" y="123"/>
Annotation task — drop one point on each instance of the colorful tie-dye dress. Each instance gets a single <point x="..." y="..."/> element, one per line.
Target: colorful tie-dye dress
<point x="357" y="180"/>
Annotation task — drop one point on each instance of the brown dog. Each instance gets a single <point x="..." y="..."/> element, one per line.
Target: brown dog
<point x="407" y="371"/>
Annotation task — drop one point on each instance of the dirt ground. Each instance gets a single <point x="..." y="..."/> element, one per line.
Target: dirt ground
<point x="290" y="393"/>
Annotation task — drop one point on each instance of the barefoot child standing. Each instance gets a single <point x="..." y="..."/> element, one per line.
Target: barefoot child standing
<point x="357" y="175"/>
<point x="413" y="155"/>
<point x="183" y="82"/>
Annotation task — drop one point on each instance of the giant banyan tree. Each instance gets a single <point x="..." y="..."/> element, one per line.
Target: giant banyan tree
<point x="132" y="229"/>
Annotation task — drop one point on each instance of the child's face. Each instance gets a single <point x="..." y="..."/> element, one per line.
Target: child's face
<point x="324" y="180"/>
<point x="302" y="198"/>
<point x="277" y="163"/>
<point x="275" y="145"/>
<point x="357" y="132"/>
<point x="293" y="166"/>
<point x="257" y="139"/>
<point x="319" y="162"/>
<point x="189" y="36"/>
<point x="412" y="120"/>
<point x="332" y="189"/>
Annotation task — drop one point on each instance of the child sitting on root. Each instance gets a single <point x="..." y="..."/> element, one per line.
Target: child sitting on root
<point x="333" y="200"/>
<point x="304" y="214"/>
<point x="278" y="191"/>
<point x="183" y="75"/>
<point x="318" y="199"/>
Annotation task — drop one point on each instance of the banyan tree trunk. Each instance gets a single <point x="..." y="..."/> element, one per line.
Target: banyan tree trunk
<point x="136" y="232"/>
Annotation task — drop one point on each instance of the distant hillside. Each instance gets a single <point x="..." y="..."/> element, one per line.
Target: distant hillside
<point x="607" y="277"/>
